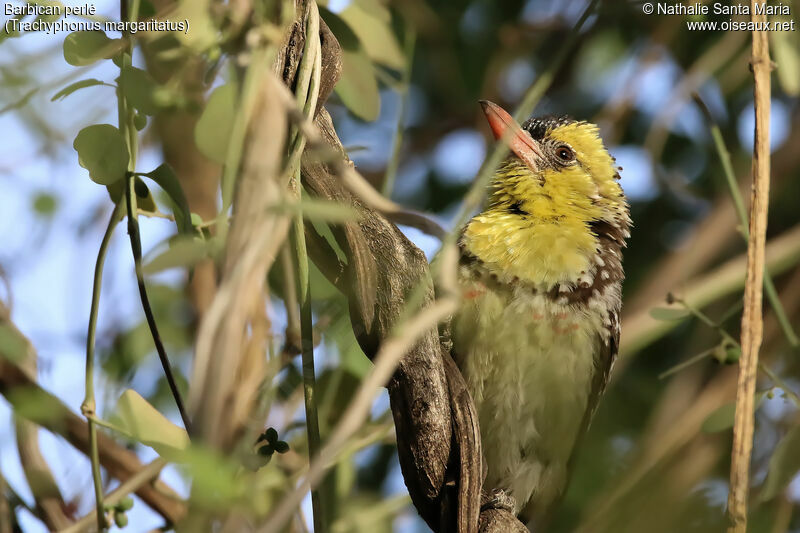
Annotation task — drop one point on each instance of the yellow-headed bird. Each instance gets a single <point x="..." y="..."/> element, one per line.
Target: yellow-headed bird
<point x="538" y="329"/>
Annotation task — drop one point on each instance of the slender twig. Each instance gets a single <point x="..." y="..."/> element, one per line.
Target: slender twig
<point x="125" y="117"/>
<point x="147" y="474"/>
<point x="394" y="161"/>
<point x="307" y="89"/>
<point x="354" y="181"/>
<point x="732" y="342"/>
<point x="705" y="319"/>
<point x="780" y="383"/>
<point x="136" y="247"/>
<point x="119" y="462"/>
<point x="738" y="202"/>
<point x="309" y="378"/>
<point x="9" y="496"/>
<point x="290" y="298"/>
<point x="752" y="321"/>
<point x="686" y="364"/>
<point x="783" y="253"/>
<point x="307" y="355"/>
<point x="306" y="95"/>
<point x="88" y="407"/>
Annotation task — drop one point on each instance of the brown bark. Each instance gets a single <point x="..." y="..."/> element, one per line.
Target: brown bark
<point x="752" y="317"/>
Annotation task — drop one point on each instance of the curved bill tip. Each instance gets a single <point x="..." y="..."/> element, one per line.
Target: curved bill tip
<point x="504" y="127"/>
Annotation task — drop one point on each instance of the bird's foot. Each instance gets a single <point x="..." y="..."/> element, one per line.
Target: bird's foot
<point x="498" y="499"/>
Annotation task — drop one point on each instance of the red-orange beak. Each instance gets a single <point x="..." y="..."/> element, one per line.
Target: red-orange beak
<point x="520" y="141"/>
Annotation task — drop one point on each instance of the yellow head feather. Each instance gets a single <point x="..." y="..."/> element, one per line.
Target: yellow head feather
<point x="537" y="225"/>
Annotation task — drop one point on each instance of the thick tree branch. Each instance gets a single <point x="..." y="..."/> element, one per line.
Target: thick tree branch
<point x="436" y="425"/>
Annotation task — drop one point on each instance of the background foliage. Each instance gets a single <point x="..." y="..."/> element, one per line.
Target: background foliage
<point x="657" y="456"/>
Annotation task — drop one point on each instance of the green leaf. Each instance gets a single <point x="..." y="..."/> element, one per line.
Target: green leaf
<point x="165" y="177"/>
<point x="45" y="204"/>
<point x="142" y="422"/>
<point x="347" y="38"/>
<point x="325" y="232"/>
<point x="371" y="22"/>
<point x="358" y="87"/>
<point x="138" y="87"/>
<point x="786" y="52"/>
<point x="103" y="152"/>
<point x="13" y="345"/>
<point x="72" y="87"/>
<point x="183" y="252"/>
<point x="783" y="465"/>
<point x="116" y="190"/>
<point x="669" y="313"/>
<point x="213" y="129"/>
<point x="146" y="10"/>
<point x="83" y="48"/>
<point x="723" y="417"/>
<point x="216" y="480"/>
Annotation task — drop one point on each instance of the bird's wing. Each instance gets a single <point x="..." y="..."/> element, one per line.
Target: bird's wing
<point x="604" y="359"/>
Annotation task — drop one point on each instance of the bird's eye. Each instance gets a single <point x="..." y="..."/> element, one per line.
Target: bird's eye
<point x="565" y="154"/>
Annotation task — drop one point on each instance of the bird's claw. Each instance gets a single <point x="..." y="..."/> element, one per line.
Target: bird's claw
<point x="498" y="499"/>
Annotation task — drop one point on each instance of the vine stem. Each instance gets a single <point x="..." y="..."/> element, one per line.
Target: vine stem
<point x="136" y="247"/>
<point x="776" y="380"/>
<point x="306" y="95"/>
<point x="752" y="321"/>
<point x="738" y="202"/>
<point x="88" y="407"/>
<point x="309" y="374"/>
<point x="146" y="475"/>
<point x="125" y="117"/>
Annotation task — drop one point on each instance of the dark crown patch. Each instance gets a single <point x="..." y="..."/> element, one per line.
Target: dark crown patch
<point x="539" y="126"/>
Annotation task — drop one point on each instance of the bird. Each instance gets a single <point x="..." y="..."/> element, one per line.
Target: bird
<point x="537" y="331"/>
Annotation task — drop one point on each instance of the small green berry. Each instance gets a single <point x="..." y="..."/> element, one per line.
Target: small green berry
<point x="121" y="519"/>
<point x="125" y="504"/>
<point x="732" y="355"/>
